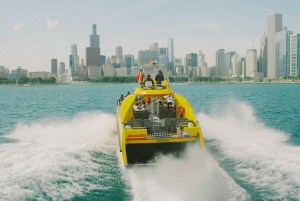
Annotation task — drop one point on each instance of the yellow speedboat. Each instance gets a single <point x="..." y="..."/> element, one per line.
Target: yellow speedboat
<point x="156" y="127"/>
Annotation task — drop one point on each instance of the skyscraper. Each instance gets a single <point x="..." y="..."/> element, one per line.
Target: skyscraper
<point x="220" y="62"/>
<point x="119" y="55"/>
<point x="201" y="59"/>
<point x="75" y="59"/>
<point x="62" y="67"/>
<point x="94" y="39"/>
<point x="171" y="49"/>
<point x="236" y="62"/>
<point x="228" y="64"/>
<point x="295" y="55"/>
<point x="191" y="60"/>
<point x="282" y="50"/>
<point x="163" y="51"/>
<point x="154" y="46"/>
<point x="274" y="25"/>
<point x="263" y="55"/>
<point x="251" y="63"/>
<point x="53" y="66"/>
<point x="102" y="59"/>
<point x="92" y="57"/>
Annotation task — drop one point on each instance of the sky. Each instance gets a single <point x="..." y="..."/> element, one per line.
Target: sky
<point x="33" y="32"/>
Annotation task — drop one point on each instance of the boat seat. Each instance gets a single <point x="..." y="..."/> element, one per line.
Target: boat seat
<point x="171" y="114"/>
<point x="162" y="114"/>
<point x="139" y="121"/>
<point x="137" y="114"/>
<point x="147" y="123"/>
<point x="145" y="114"/>
<point x="168" y="122"/>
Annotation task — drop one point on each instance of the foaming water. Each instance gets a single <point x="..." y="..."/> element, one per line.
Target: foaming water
<point x="60" y="159"/>
<point x="260" y="156"/>
<point x="196" y="176"/>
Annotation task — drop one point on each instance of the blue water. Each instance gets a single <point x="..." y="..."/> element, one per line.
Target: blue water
<point x="59" y="142"/>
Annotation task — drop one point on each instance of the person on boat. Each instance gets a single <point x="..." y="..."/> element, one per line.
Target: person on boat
<point x="121" y="99"/>
<point x="148" y="78"/>
<point x="140" y="76"/>
<point x="180" y="111"/>
<point x="159" y="78"/>
<point x="135" y="107"/>
<point x="128" y="94"/>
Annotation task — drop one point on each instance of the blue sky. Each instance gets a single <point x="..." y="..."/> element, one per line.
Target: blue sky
<point x="33" y="32"/>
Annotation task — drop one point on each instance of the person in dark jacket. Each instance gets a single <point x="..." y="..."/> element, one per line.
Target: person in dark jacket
<point x="159" y="78"/>
<point x="148" y="78"/>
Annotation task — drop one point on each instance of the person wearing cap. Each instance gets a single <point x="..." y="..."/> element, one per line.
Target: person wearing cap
<point x="159" y="78"/>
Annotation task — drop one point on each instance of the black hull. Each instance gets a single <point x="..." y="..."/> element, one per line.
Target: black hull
<point x="143" y="153"/>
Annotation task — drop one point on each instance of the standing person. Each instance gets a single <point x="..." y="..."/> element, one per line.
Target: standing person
<point x="140" y="76"/>
<point x="121" y="99"/>
<point x="159" y="78"/>
<point x="180" y="111"/>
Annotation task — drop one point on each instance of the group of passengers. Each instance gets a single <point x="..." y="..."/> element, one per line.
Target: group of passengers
<point x="159" y="78"/>
<point x="167" y="102"/>
<point x="141" y="104"/>
<point x="122" y="98"/>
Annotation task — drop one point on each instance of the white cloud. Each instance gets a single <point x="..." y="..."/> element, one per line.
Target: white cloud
<point x="52" y="23"/>
<point x="18" y="26"/>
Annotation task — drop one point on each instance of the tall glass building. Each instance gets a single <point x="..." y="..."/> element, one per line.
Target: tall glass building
<point x="94" y="39"/>
<point x="71" y="64"/>
<point x="295" y="55"/>
<point x="282" y="51"/>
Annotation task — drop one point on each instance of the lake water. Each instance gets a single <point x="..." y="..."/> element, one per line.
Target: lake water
<point x="60" y="143"/>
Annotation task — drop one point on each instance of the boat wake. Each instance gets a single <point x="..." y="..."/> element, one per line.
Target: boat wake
<point x="196" y="176"/>
<point x="257" y="157"/>
<point x="60" y="159"/>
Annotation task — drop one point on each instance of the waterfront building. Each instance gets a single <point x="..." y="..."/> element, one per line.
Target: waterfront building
<point x="94" y="72"/>
<point x="228" y="64"/>
<point x="71" y="62"/>
<point x="154" y="46"/>
<point x="205" y="72"/>
<point x="121" y="71"/>
<point x="236" y="62"/>
<point x="37" y="74"/>
<point x="2" y="71"/>
<point x="82" y="62"/>
<point x="163" y="59"/>
<point x="75" y="58"/>
<point x="144" y="56"/>
<point x="295" y="55"/>
<point x="251" y="62"/>
<point x="134" y="70"/>
<point x="128" y="62"/>
<point x="274" y="25"/>
<point x="220" y="63"/>
<point x="18" y="73"/>
<point x="282" y="51"/>
<point x="62" y="68"/>
<point x="53" y="65"/>
<point x="191" y="59"/>
<point x="119" y="56"/>
<point x="263" y="55"/>
<point x="102" y="60"/>
<point x="94" y="39"/>
<point x="201" y="59"/>
<point x="163" y="51"/>
<point x="92" y="56"/>
<point x="6" y="72"/>
<point x="171" y="49"/>
<point x="108" y="68"/>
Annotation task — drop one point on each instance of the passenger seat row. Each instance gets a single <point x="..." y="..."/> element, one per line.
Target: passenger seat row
<point x="167" y="114"/>
<point x="141" y="114"/>
<point x="146" y="123"/>
<point x="176" y="122"/>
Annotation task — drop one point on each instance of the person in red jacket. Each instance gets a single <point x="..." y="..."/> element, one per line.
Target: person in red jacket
<point x="140" y="76"/>
<point x="180" y="111"/>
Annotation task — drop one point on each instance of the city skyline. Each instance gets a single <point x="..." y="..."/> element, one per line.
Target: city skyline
<point x="31" y="42"/>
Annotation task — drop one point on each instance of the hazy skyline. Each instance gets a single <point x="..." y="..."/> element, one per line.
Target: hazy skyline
<point x="34" y="32"/>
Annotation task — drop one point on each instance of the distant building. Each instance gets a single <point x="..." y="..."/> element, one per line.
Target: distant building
<point x="201" y="59"/>
<point x="92" y="56"/>
<point x="128" y="62"/>
<point x="205" y="72"/>
<point x="71" y="64"/>
<point x="263" y="55"/>
<point x="62" y="67"/>
<point x="220" y="71"/>
<point x="108" y="68"/>
<point x="94" y="72"/>
<point x="53" y="65"/>
<point x="119" y="55"/>
<point x="236" y="62"/>
<point x="2" y="71"/>
<point x="228" y="64"/>
<point x="102" y="60"/>
<point x="163" y="59"/>
<point x="134" y="70"/>
<point x="282" y="40"/>
<point x="154" y="46"/>
<point x="274" y="25"/>
<point x="171" y="49"/>
<point x="295" y="55"/>
<point x="18" y="73"/>
<point x="94" y="39"/>
<point x="75" y="58"/>
<point x="121" y="71"/>
<point x="144" y="56"/>
<point x="38" y="74"/>
<point x="251" y="62"/>
<point x="192" y="59"/>
<point x="163" y="51"/>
